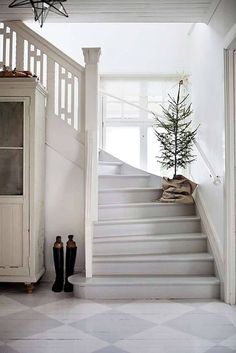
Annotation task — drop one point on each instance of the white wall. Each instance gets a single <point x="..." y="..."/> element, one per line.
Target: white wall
<point x="207" y="70"/>
<point x="126" y="48"/>
<point x="64" y="191"/>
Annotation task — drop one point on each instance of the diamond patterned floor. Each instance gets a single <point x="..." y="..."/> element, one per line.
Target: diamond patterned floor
<point x="46" y="322"/>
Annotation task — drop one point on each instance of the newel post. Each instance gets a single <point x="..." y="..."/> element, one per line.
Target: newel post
<point x="91" y="58"/>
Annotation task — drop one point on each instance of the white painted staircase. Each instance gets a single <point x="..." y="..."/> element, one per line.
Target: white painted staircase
<point x="143" y="248"/>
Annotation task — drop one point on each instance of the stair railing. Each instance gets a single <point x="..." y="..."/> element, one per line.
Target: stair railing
<point x="215" y="178"/>
<point x="58" y="73"/>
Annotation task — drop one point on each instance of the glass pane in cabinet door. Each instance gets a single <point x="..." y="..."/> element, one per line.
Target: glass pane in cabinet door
<point x="11" y="172"/>
<point x="11" y="124"/>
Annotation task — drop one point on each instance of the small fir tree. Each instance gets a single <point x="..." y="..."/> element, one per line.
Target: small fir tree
<point x="174" y="135"/>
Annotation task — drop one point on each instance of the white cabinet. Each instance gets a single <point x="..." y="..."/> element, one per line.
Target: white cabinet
<point x="22" y="178"/>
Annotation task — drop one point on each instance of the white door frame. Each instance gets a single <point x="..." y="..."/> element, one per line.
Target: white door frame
<point x="230" y="165"/>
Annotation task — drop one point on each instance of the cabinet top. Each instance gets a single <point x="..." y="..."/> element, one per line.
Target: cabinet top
<point x="19" y="82"/>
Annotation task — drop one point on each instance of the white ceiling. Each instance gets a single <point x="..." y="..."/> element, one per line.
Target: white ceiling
<point x="189" y="11"/>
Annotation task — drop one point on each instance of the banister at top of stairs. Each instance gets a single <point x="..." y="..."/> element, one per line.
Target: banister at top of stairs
<point x="57" y="72"/>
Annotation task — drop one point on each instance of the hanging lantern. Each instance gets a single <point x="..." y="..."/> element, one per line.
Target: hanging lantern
<point x="41" y="9"/>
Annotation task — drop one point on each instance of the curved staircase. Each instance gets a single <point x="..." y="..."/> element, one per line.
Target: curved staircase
<point x="142" y="248"/>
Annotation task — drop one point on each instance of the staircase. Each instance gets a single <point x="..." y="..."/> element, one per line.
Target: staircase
<point x="143" y="248"/>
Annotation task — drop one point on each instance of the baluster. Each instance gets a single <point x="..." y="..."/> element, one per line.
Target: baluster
<point x="45" y="69"/>
<point x="81" y="107"/>
<point x="4" y="47"/>
<point x="39" y="65"/>
<point x="61" y="91"/>
<point x="76" y="103"/>
<point x="72" y="92"/>
<point x="69" y="99"/>
<point x="19" y="52"/>
<point x="51" y="87"/>
<point x="2" y="32"/>
<point x="67" y="116"/>
<point x="9" y="46"/>
<point x="31" y="61"/>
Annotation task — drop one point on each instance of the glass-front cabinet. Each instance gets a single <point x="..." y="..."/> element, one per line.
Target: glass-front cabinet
<point x="14" y="167"/>
<point x="22" y="140"/>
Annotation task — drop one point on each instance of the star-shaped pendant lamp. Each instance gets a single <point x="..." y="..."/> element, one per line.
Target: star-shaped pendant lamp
<point x="41" y="8"/>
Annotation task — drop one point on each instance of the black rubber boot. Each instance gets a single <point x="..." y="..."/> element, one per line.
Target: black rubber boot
<point x="58" y="256"/>
<point x="71" y="250"/>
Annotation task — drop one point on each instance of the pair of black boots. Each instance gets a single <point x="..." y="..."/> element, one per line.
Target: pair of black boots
<point x="58" y="256"/>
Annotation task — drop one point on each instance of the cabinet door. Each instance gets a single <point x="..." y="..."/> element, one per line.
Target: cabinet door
<point x="14" y="186"/>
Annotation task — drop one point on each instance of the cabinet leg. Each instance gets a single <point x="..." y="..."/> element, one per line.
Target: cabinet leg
<point x="29" y="288"/>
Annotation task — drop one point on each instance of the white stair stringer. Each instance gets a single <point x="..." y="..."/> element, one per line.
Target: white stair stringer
<point x="143" y="248"/>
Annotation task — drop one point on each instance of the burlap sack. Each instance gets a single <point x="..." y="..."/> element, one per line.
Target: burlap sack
<point x="178" y="190"/>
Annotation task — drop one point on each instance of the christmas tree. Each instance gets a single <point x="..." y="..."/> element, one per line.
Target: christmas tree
<point x="173" y="133"/>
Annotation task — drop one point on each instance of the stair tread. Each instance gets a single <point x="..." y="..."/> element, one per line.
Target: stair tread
<point x="144" y="204"/>
<point x="110" y="163"/>
<point x="153" y="257"/>
<point x="148" y="220"/>
<point x="151" y="237"/>
<point x="144" y="280"/>
<point x="128" y="189"/>
<point x="124" y="175"/>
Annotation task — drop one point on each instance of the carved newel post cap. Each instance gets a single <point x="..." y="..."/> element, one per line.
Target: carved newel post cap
<point x="91" y="55"/>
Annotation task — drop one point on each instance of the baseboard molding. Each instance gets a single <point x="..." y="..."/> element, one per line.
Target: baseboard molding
<point x="49" y="275"/>
<point x="211" y="234"/>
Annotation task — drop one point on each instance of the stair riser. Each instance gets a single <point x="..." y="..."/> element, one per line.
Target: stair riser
<point x="109" y="169"/>
<point x="121" y="182"/>
<point x="183" y="291"/>
<point x="151" y="247"/>
<point x="154" y="268"/>
<point x="128" y="196"/>
<point x="145" y="211"/>
<point x="177" y="227"/>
